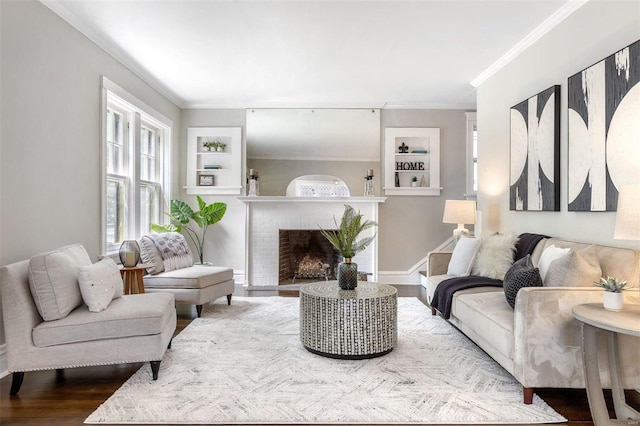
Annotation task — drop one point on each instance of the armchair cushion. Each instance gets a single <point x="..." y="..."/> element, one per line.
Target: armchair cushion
<point x="132" y="315"/>
<point x="99" y="284"/>
<point x="53" y="281"/>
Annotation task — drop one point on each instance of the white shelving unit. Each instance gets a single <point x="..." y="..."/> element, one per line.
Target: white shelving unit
<point x="412" y="152"/>
<point x="214" y="172"/>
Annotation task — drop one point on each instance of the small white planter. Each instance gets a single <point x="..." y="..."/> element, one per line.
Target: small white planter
<point x="613" y="301"/>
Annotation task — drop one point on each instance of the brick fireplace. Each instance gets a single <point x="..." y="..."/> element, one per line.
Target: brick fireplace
<point x="267" y="216"/>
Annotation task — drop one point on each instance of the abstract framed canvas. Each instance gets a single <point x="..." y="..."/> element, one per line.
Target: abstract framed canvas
<point x="604" y="130"/>
<point x="535" y="153"/>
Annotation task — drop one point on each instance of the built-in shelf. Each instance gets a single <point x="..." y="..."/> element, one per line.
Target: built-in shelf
<point x="402" y="164"/>
<point x="227" y="178"/>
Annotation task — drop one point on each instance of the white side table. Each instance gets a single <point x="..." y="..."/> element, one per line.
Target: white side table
<point x="595" y="319"/>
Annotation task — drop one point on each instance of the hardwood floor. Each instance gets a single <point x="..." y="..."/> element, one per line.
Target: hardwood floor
<point x="68" y="397"/>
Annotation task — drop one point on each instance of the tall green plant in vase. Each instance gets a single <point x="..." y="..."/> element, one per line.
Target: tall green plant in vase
<point x="181" y="215"/>
<point x="345" y="240"/>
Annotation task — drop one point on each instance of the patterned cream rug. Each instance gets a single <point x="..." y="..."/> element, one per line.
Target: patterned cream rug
<point x="244" y="364"/>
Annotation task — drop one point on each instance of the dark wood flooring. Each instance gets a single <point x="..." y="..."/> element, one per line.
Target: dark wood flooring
<point x="68" y="397"/>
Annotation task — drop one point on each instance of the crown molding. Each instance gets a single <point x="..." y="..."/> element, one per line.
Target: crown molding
<point x="547" y="25"/>
<point x="112" y="50"/>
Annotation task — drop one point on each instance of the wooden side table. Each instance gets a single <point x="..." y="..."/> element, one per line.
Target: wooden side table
<point x="132" y="278"/>
<point x="595" y="319"/>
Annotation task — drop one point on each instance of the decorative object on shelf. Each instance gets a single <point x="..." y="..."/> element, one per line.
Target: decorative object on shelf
<point x="345" y="241"/>
<point x="535" y="153"/>
<point x="220" y="146"/>
<point x="419" y="151"/>
<point x="403" y="149"/>
<point x="209" y="145"/>
<point x="414" y="181"/>
<point x="628" y="213"/>
<point x="612" y="298"/>
<point x="212" y="167"/>
<point x="460" y="212"/>
<point x="369" y="190"/>
<point x="182" y="214"/>
<point x="205" y="180"/>
<point x="603" y="119"/>
<point x="397" y="180"/>
<point x="254" y="186"/>
<point x="129" y="253"/>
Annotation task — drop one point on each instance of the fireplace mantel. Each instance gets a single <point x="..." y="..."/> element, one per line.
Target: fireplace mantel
<point x="284" y="199"/>
<point x="267" y="215"/>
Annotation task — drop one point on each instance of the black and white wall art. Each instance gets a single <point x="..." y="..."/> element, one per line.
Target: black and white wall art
<point x="604" y="130"/>
<point x="535" y="153"/>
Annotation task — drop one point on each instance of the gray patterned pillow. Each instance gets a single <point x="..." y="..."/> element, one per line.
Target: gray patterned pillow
<point x="521" y="274"/>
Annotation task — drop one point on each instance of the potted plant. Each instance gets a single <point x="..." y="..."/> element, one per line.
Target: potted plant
<point x="220" y="146"/>
<point x="344" y="239"/>
<point x="613" y="300"/>
<point x="182" y="214"/>
<point x="208" y="145"/>
<point x="414" y="181"/>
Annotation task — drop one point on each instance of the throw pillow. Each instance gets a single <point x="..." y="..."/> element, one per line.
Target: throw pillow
<point x="550" y="254"/>
<point x="99" y="284"/>
<point x="53" y="281"/>
<point x="495" y="256"/>
<point x="150" y="255"/>
<point x="521" y="274"/>
<point x="463" y="256"/>
<point x="579" y="269"/>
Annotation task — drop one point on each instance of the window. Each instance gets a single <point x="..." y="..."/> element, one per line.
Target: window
<point x="472" y="155"/>
<point x="135" y="164"/>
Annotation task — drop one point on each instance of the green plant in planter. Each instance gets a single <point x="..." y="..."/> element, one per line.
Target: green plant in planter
<point x="182" y="214"/>
<point x="209" y="144"/>
<point x="344" y="238"/>
<point x="414" y="179"/>
<point x="611" y="284"/>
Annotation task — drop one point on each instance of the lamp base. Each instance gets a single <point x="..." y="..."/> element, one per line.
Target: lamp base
<point x="459" y="232"/>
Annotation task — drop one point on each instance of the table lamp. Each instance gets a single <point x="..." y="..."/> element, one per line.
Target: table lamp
<point x="628" y="213"/>
<point x="460" y="212"/>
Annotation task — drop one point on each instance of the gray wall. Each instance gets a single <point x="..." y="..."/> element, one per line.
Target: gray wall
<point x="50" y="151"/>
<point x="592" y="33"/>
<point x="409" y="226"/>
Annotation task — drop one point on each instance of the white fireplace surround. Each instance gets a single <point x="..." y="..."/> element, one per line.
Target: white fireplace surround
<point x="267" y="215"/>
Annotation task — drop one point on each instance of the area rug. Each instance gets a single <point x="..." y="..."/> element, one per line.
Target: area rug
<point x="244" y="364"/>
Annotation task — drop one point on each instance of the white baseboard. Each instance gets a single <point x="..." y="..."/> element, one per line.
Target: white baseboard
<point x="4" y="367"/>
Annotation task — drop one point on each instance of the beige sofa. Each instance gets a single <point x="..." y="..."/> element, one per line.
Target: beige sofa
<point x="539" y="341"/>
<point x="132" y="328"/>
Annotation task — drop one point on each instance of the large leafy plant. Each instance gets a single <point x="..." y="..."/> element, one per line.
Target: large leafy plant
<point x="344" y="239"/>
<point x="181" y="215"/>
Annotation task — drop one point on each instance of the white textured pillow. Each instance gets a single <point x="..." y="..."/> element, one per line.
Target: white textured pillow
<point x="150" y="255"/>
<point x="53" y="281"/>
<point x="99" y="284"/>
<point x="550" y="254"/>
<point x="495" y="256"/>
<point x="463" y="256"/>
<point x="578" y="269"/>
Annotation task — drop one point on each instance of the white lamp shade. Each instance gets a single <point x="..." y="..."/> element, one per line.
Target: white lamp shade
<point x="459" y="212"/>
<point x="628" y="213"/>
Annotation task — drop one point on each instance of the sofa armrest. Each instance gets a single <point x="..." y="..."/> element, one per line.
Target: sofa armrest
<point x="548" y="341"/>
<point x="438" y="262"/>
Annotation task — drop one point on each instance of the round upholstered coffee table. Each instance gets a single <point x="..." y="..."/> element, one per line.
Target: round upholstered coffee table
<point x="348" y="324"/>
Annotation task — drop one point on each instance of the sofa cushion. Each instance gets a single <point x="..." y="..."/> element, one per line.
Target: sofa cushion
<point x="99" y="284"/>
<point x="131" y="315"/>
<point x="490" y="316"/>
<point x="495" y="256"/>
<point x="579" y="269"/>
<point x="463" y="256"/>
<point x="550" y="254"/>
<point x="196" y="276"/>
<point x="521" y="274"/>
<point x="53" y="280"/>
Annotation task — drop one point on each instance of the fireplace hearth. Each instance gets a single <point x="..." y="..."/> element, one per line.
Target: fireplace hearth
<point x="305" y="255"/>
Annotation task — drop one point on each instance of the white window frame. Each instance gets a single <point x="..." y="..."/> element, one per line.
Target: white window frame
<point x="137" y="112"/>
<point x="472" y="125"/>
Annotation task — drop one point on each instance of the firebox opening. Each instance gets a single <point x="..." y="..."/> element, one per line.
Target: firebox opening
<point x="306" y="256"/>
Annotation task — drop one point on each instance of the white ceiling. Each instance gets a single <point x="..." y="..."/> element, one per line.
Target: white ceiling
<point x="314" y="53"/>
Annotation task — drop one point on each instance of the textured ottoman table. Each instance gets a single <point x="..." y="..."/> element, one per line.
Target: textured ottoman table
<point x="348" y="324"/>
